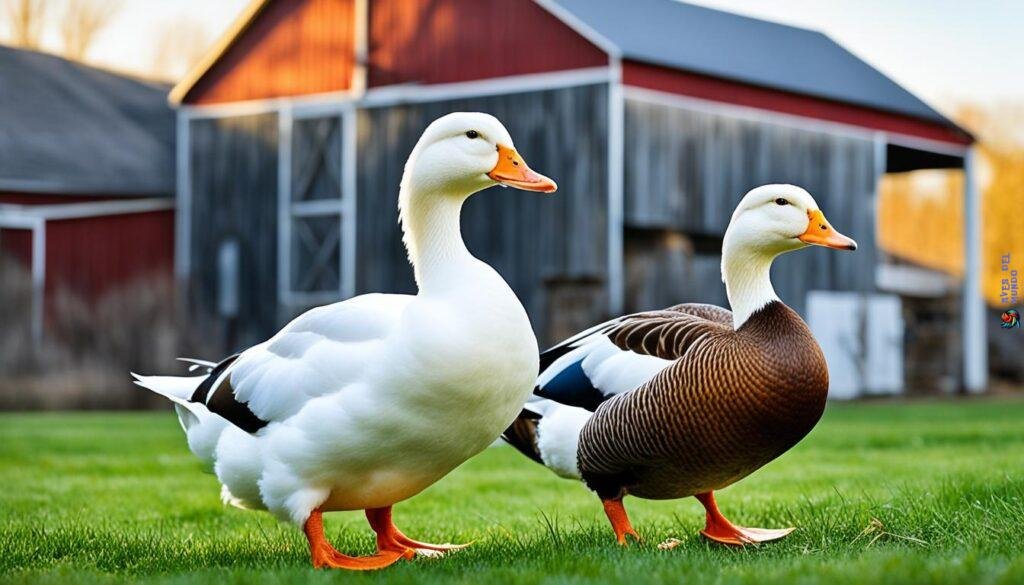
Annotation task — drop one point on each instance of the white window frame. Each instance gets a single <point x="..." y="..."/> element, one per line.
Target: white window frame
<point x="288" y="210"/>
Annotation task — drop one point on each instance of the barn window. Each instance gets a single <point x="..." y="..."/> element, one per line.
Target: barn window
<point x="313" y="210"/>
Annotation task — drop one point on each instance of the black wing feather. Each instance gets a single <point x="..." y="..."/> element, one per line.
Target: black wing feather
<point x="221" y="399"/>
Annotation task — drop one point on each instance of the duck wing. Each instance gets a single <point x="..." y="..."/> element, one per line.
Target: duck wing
<point x="320" y="352"/>
<point x="671" y="333"/>
<point x="624" y="353"/>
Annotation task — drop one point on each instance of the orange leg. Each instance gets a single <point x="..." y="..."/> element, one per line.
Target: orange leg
<point x="620" y="521"/>
<point x="389" y="537"/>
<point x="719" y="529"/>
<point x="325" y="555"/>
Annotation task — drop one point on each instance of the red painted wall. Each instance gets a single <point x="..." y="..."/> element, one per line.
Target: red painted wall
<point x="721" y="90"/>
<point x="440" y="41"/>
<point x="17" y="244"/>
<point x="293" y="47"/>
<point x="91" y="255"/>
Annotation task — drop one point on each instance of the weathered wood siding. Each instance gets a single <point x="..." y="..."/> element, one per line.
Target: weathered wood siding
<point x="537" y="242"/>
<point x="234" y="197"/>
<point x="686" y="171"/>
<point x="440" y="41"/>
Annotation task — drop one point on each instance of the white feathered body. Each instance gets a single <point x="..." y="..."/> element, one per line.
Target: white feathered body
<point x="365" y="403"/>
<point x="371" y="400"/>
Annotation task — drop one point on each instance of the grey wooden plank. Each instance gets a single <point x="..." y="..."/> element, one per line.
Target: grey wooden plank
<point x="234" y="196"/>
<point x="686" y="171"/>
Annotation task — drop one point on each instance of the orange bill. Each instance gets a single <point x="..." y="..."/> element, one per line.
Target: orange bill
<point x="821" y="233"/>
<point x="511" y="170"/>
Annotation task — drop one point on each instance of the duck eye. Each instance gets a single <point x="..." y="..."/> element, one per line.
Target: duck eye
<point x="781" y="201"/>
<point x="472" y="134"/>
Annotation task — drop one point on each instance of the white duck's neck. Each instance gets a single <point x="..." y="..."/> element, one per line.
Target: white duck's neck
<point x="433" y="236"/>
<point x="746" y="272"/>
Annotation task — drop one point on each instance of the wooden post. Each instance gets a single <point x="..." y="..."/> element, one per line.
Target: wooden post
<point x="974" y="337"/>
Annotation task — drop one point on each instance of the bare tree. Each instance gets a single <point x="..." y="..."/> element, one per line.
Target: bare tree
<point x="179" y="46"/>
<point x="81" y="21"/>
<point x="26" y="19"/>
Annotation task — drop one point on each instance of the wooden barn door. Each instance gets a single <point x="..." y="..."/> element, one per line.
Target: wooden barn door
<point x="313" y="209"/>
<point x="233" y="223"/>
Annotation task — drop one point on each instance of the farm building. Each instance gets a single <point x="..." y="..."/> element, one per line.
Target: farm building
<point x="86" y="178"/>
<point x="654" y="116"/>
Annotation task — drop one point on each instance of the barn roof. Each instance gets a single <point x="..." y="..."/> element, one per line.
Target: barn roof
<point x="69" y="128"/>
<point x="703" y="41"/>
<point x="736" y="47"/>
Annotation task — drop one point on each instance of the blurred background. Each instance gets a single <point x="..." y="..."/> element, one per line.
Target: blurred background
<point x="182" y="178"/>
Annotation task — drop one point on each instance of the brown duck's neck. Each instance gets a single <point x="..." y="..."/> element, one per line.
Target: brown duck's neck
<point x="747" y="277"/>
<point x="798" y="385"/>
<point x="790" y="348"/>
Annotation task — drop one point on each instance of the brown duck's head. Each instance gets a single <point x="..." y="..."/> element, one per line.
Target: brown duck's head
<point x="780" y="218"/>
<point x="770" y="220"/>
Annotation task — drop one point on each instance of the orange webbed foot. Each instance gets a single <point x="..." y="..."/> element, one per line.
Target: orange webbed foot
<point x="324" y="555"/>
<point x="332" y="559"/>
<point x="389" y="537"/>
<point x="616" y="513"/>
<point x="426" y="546"/>
<point x="718" y="528"/>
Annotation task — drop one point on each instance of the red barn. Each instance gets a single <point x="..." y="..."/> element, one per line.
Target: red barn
<point x="654" y="116"/>
<point x="86" y="177"/>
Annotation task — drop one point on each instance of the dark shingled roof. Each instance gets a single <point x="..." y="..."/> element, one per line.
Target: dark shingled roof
<point x="69" y="128"/>
<point x="722" y="44"/>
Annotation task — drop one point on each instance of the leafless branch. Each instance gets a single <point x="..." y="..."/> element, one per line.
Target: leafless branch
<point x="25" y="20"/>
<point x="82" y="21"/>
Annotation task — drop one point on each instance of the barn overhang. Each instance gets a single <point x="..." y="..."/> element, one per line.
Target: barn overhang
<point x="912" y="143"/>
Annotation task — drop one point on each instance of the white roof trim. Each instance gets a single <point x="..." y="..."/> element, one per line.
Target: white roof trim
<point x="416" y="93"/>
<point x="72" y="188"/>
<point x="339" y="102"/>
<point x="18" y="213"/>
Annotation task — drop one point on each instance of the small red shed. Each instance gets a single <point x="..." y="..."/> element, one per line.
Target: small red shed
<point x="86" y="177"/>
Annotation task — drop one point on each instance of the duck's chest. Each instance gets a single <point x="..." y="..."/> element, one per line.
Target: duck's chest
<point x="467" y="367"/>
<point x="721" y="436"/>
<point x="713" y="417"/>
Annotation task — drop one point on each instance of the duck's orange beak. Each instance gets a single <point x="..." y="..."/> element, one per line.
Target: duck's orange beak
<point x="511" y="170"/>
<point x="821" y="233"/>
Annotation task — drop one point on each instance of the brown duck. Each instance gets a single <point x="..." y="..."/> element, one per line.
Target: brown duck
<point x="689" y="399"/>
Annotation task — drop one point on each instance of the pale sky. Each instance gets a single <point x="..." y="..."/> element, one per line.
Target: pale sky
<point x="946" y="51"/>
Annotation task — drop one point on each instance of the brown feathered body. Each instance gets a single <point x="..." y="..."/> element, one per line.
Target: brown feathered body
<point x="732" y="400"/>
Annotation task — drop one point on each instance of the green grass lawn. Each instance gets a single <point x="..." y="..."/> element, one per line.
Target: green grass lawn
<point x="906" y="493"/>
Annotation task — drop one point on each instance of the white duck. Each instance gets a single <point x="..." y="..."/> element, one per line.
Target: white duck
<point x="365" y="403"/>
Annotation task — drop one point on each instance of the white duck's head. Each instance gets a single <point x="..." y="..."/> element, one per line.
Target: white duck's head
<point x="770" y="220"/>
<point x="464" y="152"/>
<point x="457" y="155"/>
